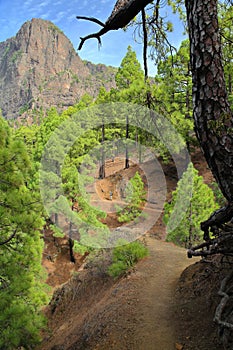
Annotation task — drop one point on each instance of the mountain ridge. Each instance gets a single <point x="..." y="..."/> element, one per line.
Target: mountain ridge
<point x="39" y="68"/>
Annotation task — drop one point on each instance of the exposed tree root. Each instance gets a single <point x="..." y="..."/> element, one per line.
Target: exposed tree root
<point x="220" y="308"/>
<point x="221" y="227"/>
<point x="221" y="244"/>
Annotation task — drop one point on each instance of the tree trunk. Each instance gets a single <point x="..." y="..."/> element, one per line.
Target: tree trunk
<point x="102" y="165"/>
<point x="56" y="219"/>
<point x="71" y="245"/>
<point x="126" y="145"/>
<point x="71" y="241"/>
<point x="212" y="114"/>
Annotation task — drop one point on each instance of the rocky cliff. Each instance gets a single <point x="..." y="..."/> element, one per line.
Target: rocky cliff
<point x="39" y="68"/>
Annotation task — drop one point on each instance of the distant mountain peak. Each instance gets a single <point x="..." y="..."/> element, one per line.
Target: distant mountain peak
<point x="39" y="68"/>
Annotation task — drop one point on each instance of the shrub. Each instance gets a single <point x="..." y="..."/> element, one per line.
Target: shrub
<point x="126" y="256"/>
<point x="135" y="194"/>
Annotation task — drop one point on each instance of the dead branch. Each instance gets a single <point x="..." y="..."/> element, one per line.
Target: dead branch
<point x="123" y="13"/>
<point x="91" y="19"/>
<point x="95" y="35"/>
<point x="145" y="44"/>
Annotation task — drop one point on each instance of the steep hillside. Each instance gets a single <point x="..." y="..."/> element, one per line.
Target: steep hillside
<point x="155" y="307"/>
<point x="39" y="68"/>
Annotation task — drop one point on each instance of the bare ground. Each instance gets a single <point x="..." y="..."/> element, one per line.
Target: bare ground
<point x="150" y="309"/>
<point x="167" y="302"/>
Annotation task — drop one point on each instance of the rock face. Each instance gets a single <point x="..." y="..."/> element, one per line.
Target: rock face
<point x="39" y="68"/>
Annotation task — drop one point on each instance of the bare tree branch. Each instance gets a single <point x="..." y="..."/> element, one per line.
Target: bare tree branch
<point x="124" y="11"/>
<point x="145" y="43"/>
<point x="91" y="19"/>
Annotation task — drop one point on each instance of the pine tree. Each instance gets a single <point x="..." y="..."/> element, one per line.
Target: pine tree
<point x="225" y="23"/>
<point x="187" y="228"/>
<point x="21" y="278"/>
<point x="173" y="91"/>
<point x="134" y="197"/>
<point x="129" y="71"/>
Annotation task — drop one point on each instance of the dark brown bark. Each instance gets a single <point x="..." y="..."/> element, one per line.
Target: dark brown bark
<point x="102" y="165"/>
<point x="123" y="12"/>
<point x="71" y="245"/>
<point x="212" y="114"/>
<point x="126" y="145"/>
<point x="56" y="219"/>
<point x="70" y="240"/>
<point x="145" y="43"/>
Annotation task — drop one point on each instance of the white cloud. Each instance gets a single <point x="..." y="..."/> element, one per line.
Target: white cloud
<point x="43" y="4"/>
<point x="45" y="15"/>
<point x="35" y="8"/>
<point x="60" y="15"/>
<point x="27" y="3"/>
<point x="71" y="18"/>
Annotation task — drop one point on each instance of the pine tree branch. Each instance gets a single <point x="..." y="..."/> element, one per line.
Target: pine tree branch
<point x="226" y="38"/>
<point x="9" y="238"/>
<point x="9" y="160"/>
<point x="3" y="283"/>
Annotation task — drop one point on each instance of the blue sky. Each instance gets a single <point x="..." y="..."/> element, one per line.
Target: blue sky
<point x="63" y="13"/>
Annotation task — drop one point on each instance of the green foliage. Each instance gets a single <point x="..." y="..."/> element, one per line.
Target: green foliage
<point x="129" y="71"/>
<point x="16" y="55"/>
<point x="202" y="205"/>
<point x="173" y="92"/>
<point x="74" y="189"/>
<point x="24" y="109"/>
<point x="135" y="194"/>
<point x="219" y="197"/>
<point x="225" y="23"/>
<point x="22" y="292"/>
<point x="56" y="231"/>
<point x="55" y="29"/>
<point x="50" y="123"/>
<point x="80" y="249"/>
<point x="7" y="49"/>
<point x="125" y="256"/>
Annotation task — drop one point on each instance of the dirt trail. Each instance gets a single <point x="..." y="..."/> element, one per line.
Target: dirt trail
<point x="134" y="313"/>
<point x="139" y="312"/>
<point x="159" y="275"/>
